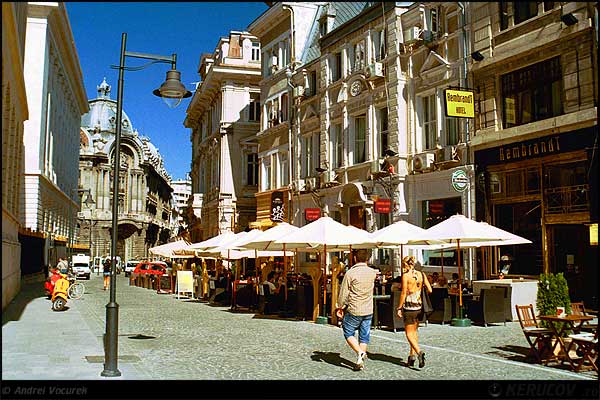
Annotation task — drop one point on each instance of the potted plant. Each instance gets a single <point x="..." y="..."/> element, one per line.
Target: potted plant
<point x="553" y="292"/>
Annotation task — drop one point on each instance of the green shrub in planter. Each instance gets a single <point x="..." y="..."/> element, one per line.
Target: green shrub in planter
<point x="553" y="292"/>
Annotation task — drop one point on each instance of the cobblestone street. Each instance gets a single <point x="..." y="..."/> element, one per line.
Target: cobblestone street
<point x="161" y="337"/>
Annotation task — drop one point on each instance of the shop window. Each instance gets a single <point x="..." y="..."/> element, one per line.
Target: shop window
<point x="383" y="255"/>
<point x="548" y="5"/>
<point x="495" y="184"/>
<point x="360" y="141"/>
<point x="564" y="175"/>
<point x="434" y="212"/>
<point x="533" y="93"/>
<point x="533" y="180"/>
<point x="524" y="10"/>
<point x="514" y="183"/>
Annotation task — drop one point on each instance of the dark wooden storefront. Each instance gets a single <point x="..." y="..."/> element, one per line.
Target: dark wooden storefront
<point x="544" y="190"/>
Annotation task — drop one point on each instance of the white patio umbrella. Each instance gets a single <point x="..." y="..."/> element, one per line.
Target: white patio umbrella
<point x="504" y="238"/>
<point x="455" y="230"/>
<point x="325" y="234"/>
<point x="215" y="241"/>
<point x="169" y="250"/>
<point x="398" y="234"/>
<point x="266" y="241"/>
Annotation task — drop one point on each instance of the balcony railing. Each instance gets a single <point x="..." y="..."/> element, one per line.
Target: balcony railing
<point x="567" y="199"/>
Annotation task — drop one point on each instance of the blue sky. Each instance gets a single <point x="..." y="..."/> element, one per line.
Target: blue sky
<point x="187" y="29"/>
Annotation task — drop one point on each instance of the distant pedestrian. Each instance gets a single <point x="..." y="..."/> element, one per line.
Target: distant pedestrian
<point x="106" y="271"/>
<point x="63" y="265"/>
<point x="410" y="307"/>
<point x="355" y="305"/>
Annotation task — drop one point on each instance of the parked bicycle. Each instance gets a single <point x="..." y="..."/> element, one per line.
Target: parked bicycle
<point x="76" y="289"/>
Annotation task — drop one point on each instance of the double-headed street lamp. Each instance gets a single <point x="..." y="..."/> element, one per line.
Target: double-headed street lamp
<point x="172" y="91"/>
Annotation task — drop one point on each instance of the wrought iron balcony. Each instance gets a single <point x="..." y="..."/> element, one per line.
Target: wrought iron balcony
<point x="567" y="199"/>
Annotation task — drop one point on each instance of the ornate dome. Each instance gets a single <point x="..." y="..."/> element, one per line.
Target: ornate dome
<point x="98" y="132"/>
<point x="103" y="113"/>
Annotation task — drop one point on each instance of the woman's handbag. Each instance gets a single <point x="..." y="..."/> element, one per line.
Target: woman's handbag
<point x="425" y="300"/>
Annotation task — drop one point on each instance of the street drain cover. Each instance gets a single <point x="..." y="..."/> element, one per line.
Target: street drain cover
<point x="100" y="359"/>
<point x="140" y="336"/>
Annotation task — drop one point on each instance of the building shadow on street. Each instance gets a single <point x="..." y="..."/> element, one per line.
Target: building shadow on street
<point x="28" y="293"/>
<point x="333" y="359"/>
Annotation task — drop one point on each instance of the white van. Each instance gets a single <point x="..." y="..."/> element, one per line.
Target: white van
<point x="81" y="265"/>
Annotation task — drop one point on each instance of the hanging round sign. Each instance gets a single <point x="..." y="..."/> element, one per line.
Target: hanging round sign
<point x="460" y="180"/>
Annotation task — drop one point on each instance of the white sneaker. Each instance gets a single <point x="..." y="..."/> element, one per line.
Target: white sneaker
<point x="360" y="361"/>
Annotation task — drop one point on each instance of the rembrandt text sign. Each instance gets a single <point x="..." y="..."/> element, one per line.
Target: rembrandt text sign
<point x="459" y="103"/>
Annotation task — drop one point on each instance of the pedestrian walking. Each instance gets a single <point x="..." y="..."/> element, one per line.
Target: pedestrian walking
<point x="106" y="265"/>
<point x="355" y="305"/>
<point x="410" y="307"/>
<point x="62" y="265"/>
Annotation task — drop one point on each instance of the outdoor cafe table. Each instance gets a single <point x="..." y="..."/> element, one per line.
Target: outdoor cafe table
<point x="377" y="298"/>
<point x="570" y="322"/>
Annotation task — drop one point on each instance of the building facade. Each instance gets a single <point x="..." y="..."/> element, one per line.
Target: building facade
<point x="145" y="192"/>
<point x="14" y="113"/>
<point x="284" y="31"/>
<point x="536" y="134"/>
<point x="224" y="116"/>
<point x="182" y="190"/>
<point x="56" y="100"/>
<point x="434" y="53"/>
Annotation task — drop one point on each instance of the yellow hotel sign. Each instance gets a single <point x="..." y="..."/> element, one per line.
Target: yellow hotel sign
<point x="459" y="103"/>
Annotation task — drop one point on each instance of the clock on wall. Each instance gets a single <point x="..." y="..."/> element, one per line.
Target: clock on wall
<point x="355" y="88"/>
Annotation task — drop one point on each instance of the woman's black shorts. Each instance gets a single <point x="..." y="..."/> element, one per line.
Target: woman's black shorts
<point x="411" y="316"/>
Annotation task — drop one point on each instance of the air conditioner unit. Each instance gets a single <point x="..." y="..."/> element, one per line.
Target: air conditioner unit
<point x="374" y="71"/>
<point x="423" y="162"/>
<point x="412" y="34"/>
<point x="299" y="91"/>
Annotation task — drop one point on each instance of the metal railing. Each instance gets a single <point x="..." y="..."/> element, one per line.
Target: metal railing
<point x="567" y="199"/>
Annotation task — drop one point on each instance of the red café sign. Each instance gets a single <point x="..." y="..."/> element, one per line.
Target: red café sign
<point x="383" y="206"/>
<point x="312" y="214"/>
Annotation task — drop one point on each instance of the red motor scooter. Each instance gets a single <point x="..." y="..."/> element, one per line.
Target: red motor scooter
<point x="56" y="287"/>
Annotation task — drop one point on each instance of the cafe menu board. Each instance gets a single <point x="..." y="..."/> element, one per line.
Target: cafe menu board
<point x="185" y="282"/>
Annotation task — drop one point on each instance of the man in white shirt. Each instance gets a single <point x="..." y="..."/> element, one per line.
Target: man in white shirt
<point x="355" y="305"/>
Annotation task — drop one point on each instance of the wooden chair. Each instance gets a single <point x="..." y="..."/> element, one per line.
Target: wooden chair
<point x="539" y="338"/>
<point x="578" y="308"/>
<point x="587" y="348"/>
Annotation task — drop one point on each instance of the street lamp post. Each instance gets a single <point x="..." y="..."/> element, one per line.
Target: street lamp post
<point x="172" y="91"/>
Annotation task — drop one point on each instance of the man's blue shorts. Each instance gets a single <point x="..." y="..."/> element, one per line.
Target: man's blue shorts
<point x="350" y="323"/>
